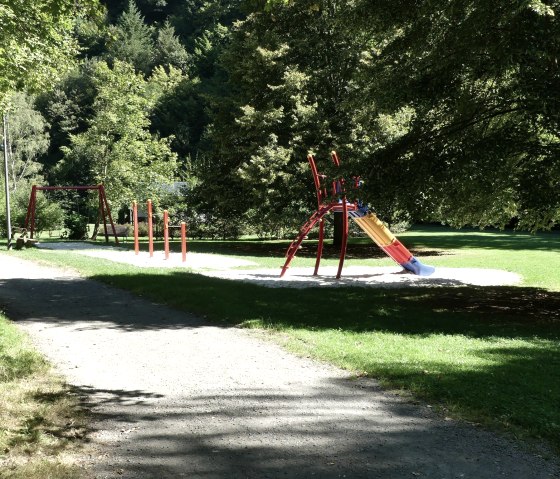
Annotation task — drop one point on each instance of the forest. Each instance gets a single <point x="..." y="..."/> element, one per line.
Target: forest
<point x="448" y="110"/>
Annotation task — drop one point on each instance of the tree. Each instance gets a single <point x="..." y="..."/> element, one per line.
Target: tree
<point x="117" y="149"/>
<point x="449" y="110"/>
<point x="68" y="109"/>
<point x="169" y="50"/>
<point x="281" y="102"/>
<point x="131" y="40"/>
<point x="28" y="139"/>
<point x="471" y="134"/>
<point x="203" y="26"/>
<point x="36" y="42"/>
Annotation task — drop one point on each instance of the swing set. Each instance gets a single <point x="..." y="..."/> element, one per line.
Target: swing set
<point x="103" y="215"/>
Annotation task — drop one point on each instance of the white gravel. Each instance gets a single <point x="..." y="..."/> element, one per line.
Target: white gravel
<point x="228" y="267"/>
<point x="196" y="261"/>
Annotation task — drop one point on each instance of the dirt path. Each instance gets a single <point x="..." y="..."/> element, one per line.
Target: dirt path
<point x="173" y="397"/>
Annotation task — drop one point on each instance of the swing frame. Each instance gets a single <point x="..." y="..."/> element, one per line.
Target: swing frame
<point x="104" y="212"/>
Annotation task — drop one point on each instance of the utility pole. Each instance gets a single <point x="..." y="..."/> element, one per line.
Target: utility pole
<point x="8" y="219"/>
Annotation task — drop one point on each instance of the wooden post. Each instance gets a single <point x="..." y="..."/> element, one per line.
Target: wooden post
<point x="30" y="217"/>
<point x="184" y="241"/>
<point x="103" y="216"/>
<point x="166" y="233"/>
<point x="150" y="230"/>
<point x="135" y="221"/>
<point x="107" y="212"/>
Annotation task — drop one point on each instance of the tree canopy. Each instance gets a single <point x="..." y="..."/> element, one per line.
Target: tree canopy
<point x="448" y="110"/>
<point x="36" y="41"/>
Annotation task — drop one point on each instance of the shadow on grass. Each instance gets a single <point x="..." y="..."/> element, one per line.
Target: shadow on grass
<point x="471" y="311"/>
<point x="517" y="389"/>
<point x="54" y="415"/>
<point x="501" y="311"/>
<point x="422" y="241"/>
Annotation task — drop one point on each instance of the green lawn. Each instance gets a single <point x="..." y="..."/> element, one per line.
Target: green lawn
<point x="490" y="355"/>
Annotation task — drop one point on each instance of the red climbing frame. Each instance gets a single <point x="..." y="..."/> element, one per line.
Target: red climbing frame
<point x="336" y="202"/>
<point x="104" y="213"/>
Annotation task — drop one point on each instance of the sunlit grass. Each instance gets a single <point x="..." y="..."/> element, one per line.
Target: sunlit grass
<point x="40" y="421"/>
<point x="491" y="380"/>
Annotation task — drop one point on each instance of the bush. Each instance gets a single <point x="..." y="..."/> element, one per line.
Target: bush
<point x="142" y="229"/>
<point x="50" y="216"/>
<point x="77" y="226"/>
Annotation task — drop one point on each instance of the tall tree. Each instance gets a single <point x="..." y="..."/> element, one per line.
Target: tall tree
<point x="28" y="140"/>
<point x="471" y="134"/>
<point x="203" y="26"/>
<point x="169" y="49"/>
<point x="287" y="94"/>
<point x="117" y="149"/>
<point x="131" y="40"/>
<point x="68" y="109"/>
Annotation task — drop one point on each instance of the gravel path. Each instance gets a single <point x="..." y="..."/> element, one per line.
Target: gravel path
<point x="174" y="397"/>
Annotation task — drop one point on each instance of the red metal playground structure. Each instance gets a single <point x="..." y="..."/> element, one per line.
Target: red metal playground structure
<point x="332" y="198"/>
<point x="103" y="215"/>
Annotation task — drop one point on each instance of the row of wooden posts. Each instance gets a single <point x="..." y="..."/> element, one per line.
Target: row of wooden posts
<point x="183" y="227"/>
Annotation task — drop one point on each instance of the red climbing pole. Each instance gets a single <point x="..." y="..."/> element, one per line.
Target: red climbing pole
<point x="331" y="199"/>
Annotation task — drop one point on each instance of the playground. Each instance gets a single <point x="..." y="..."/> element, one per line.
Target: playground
<point x="195" y="328"/>
<point x="334" y="195"/>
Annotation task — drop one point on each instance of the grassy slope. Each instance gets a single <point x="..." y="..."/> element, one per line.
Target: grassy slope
<point x="39" y="420"/>
<point x="489" y="355"/>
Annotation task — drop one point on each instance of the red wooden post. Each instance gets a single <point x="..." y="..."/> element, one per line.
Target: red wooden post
<point x="135" y="220"/>
<point x="184" y="241"/>
<point x="150" y="229"/>
<point x="166" y="233"/>
<point x="107" y="212"/>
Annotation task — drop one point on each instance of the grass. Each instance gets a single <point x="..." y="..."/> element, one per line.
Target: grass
<point x="40" y="420"/>
<point x="488" y="355"/>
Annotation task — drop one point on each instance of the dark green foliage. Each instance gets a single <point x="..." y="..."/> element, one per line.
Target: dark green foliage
<point x="76" y="225"/>
<point x="449" y="110"/>
<point x="130" y="40"/>
<point x="203" y="26"/>
<point x="480" y="81"/>
<point x="181" y="113"/>
<point x="68" y="108"/>
<point x="169" y="50"/>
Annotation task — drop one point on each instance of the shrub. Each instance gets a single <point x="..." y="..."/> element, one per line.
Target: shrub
<point x="143" y="229"/>
<point x="77" y="226"/>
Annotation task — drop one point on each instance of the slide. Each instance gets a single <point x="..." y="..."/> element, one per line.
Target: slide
<point x="381" y="235"/>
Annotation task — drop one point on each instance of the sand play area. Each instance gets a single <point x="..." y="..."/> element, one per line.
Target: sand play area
<point x="229" y="267"/>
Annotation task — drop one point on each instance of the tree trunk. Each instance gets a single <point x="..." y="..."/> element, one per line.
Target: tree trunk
<point x="338" y="229"/>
